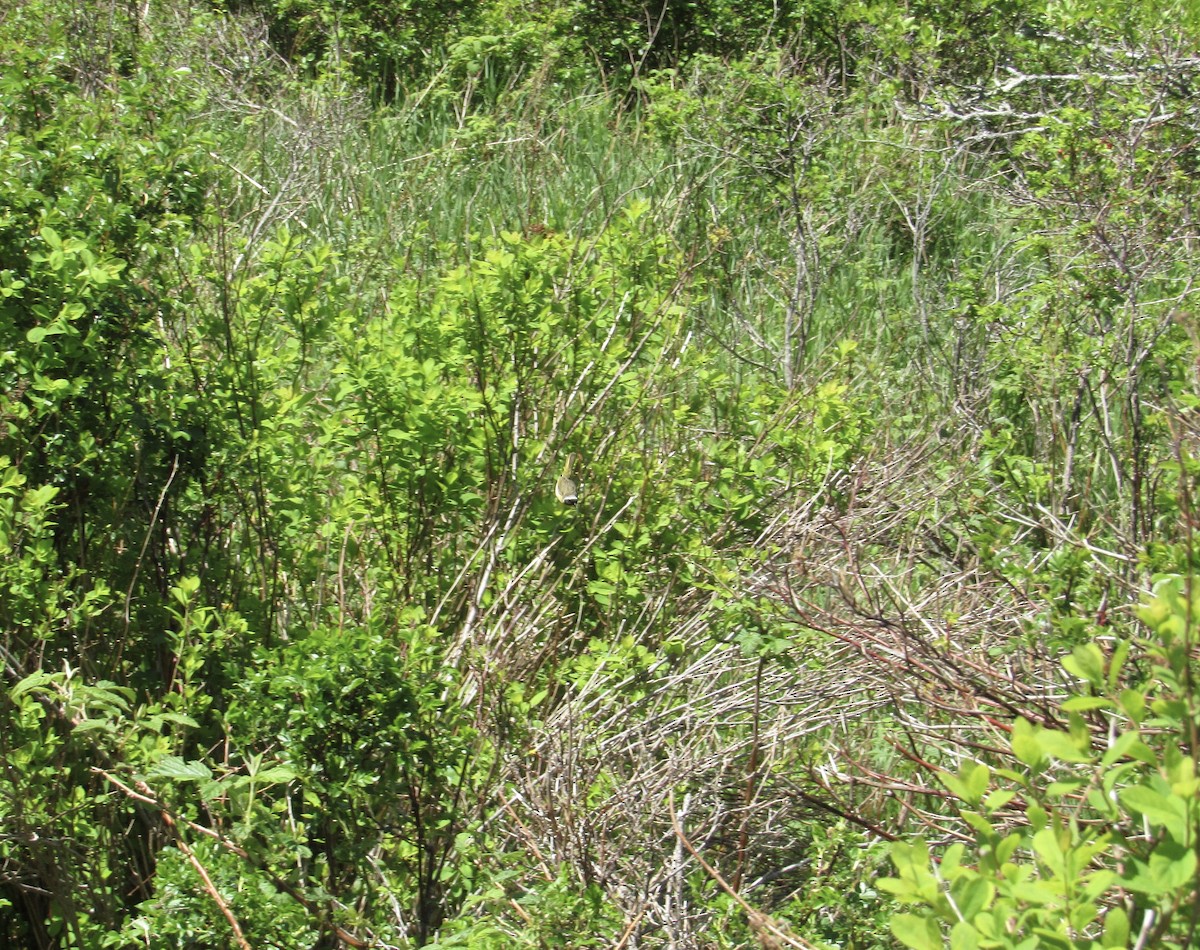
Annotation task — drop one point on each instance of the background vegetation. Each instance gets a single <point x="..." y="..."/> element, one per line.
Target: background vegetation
<point x="871" y="329"/>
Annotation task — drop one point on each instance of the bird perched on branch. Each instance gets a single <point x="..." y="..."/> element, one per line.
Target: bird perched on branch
<point x="565" y="489"/>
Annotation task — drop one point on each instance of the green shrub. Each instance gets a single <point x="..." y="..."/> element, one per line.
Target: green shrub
<point x="1103" y="846"/>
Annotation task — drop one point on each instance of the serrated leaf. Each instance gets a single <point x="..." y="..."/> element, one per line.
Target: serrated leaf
<point x="277" y="774"/>
<point x="29" y="683"/>
<point x="93" y="725"/>
<point x="178" y="718"/>
<point x="213" y="790"/>
<point x="172" y="766"/>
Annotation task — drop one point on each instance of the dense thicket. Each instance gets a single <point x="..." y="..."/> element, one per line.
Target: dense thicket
<point x="866" y="336"/>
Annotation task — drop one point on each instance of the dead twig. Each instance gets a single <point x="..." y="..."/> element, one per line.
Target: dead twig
<point x="769" y="932"/>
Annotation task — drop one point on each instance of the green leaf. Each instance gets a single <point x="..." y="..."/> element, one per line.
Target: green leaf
<point x="1116" y="928"/>
<point x="1049" y="849"/>
<point x="1062" y="746"/>
<point x="93" y="725"/>
<point x="1005" y="849"/>
<point x="275" y="775"/>
<point x="1035" y="892"/>
<point x="1086" y="703"/>
<point x="912" y="865"/>
<point x="1128" y="744"/>
<point x="1158" y="809"/>
<point x="1117" y="664"/>
<point x="920" y="933"/>
<point x="998" y="799"/>
<point x="978" y="822"/>
<point x="172" y="766"/>
<point x="29" y="683"/>
<point x="974" y="780"/>
<point x="972" y="895"/>
<point x="178" y="718"/>
<point x="1087" y="662"/>
<point x="1171" y="868"/>
<point x="902" y="889"/>
<point x="964" y="937"/>
<point x="1025" y="744"/>
<point x="50" y="236"/>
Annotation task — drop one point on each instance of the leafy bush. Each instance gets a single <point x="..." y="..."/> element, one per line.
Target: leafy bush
<point x="1090" y="841"/>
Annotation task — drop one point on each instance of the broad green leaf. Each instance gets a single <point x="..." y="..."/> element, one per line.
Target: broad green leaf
<point x="978" y="822"/>
<point x="1049" y="849"/>
<point x="912" y="864"/>
<point x="1128" y="744"/>
<point x="274" y="775"/>
<point x="963" y="937"/>
<point x="902" y="889"/>
<point x="1060" y="789"/>
<point x="1116" y="929"/>
<point x="950" y="865"/>
<point x="975" y="778"/>
<point x="1061" y="746"/>
<point x="94" y="725"/>
<point x="972" y="895"/>
<point x="1171" y="868"/>
<point x="1035" y="892"/>
<point x="919" y="933"/>
<point x="178" y="718"/>
<point x="40" y="497"/>
<point x="172" y="766"/>
<point x="1133" y="701"/>
<point x="1158" y="809"/>
<point x="31" y="682"/>
<point x="1087" y="662"/>
<point x="1005" y="849"/>
<point x="1025" y="743"/>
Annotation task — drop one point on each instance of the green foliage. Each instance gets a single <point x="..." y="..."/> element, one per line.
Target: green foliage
<point x="344" y="714"/>
<point x="559" y="913"/>
<point x="382" y="44"/>
<point x="180" y="914"/>
<point x="1108" y="837"/>
<point x="96" y="192"/>
<point x="863" y="323"/>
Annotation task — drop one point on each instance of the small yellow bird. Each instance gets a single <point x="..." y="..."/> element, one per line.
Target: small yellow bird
<point x="565" y="489"/>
